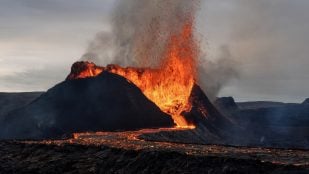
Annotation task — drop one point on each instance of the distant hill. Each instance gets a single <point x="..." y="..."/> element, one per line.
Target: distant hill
<point x="265" y="112"/>
<point x="11" y="101"/>
<point x="306" y="101"/>
<point x="273" y="124"/>
<point x="259" y="104"/>
<point x="226" y="105"/>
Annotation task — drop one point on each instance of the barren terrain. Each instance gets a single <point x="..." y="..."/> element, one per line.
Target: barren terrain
<point x="125" y="152"/>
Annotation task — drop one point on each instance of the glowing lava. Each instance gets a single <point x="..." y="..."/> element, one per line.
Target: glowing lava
<point x="168" y="86"/>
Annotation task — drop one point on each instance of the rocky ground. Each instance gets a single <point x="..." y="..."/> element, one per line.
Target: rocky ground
<point x="124" y="152"/>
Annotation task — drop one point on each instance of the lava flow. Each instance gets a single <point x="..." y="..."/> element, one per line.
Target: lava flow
<point x="168" y="86"/>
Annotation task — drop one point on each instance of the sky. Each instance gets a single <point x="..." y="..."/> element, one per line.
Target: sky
<point x="267" y="39"/>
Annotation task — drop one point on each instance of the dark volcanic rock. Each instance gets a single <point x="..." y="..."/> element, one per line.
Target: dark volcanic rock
<point x="35" y="158"/>
<point x="226" y="104"/>
<point x="206" y="117"/>
<point x="105" y="102"/>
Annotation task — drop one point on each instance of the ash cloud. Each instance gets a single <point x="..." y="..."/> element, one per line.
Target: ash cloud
<point x="268" y="38"/>
<point x="214" y="75"/>
<point x="140" y="31"/>
<point x="263" y="43"/>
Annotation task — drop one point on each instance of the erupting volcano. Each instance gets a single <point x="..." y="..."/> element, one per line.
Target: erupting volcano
<point x="133" y="101"/>
<point x="169" y="85"/>
<point x="97" y="98"/>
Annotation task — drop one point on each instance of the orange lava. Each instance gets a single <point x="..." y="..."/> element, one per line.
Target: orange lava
<point x="168" y="86"/>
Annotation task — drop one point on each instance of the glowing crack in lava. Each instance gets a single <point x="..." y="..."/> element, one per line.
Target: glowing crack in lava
<point x="168" y="86"/>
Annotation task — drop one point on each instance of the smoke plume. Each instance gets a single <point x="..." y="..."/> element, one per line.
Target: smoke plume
<point x="139" y="33"/>
<point x="214" y="75"/>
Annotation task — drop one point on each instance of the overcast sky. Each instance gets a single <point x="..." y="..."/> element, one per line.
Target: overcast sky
<point x="269" y="40"/>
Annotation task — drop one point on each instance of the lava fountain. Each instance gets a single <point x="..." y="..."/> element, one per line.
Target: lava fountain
<point x="169" y="85"/>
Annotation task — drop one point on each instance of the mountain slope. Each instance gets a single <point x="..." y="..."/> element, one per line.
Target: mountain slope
<point x="105" y="102"/>
<point x="12" y="101"/>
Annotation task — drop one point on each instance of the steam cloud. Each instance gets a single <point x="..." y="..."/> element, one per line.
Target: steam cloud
<point x="139" y="33"/>
<point x="214" y="75"/>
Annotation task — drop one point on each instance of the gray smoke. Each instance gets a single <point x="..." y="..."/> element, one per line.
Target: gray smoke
<point x="140" y="31"/>
<point x="269" y="38"/>
<point x="214" y="75"/>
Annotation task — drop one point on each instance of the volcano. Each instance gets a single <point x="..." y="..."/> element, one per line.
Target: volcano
<point x="96" y="98"/>
<point x="106" y="102"/>
<point x="201" y="112"/>
<point x="169" y="84"/>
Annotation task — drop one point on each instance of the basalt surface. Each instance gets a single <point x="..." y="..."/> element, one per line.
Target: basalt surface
<point x="126" y="152"/>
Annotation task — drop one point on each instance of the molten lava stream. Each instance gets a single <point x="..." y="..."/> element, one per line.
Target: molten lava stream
<point x="168" y="86"/>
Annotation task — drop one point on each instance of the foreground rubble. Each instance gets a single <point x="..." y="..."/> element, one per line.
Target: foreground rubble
<point x="124" y="152"/>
